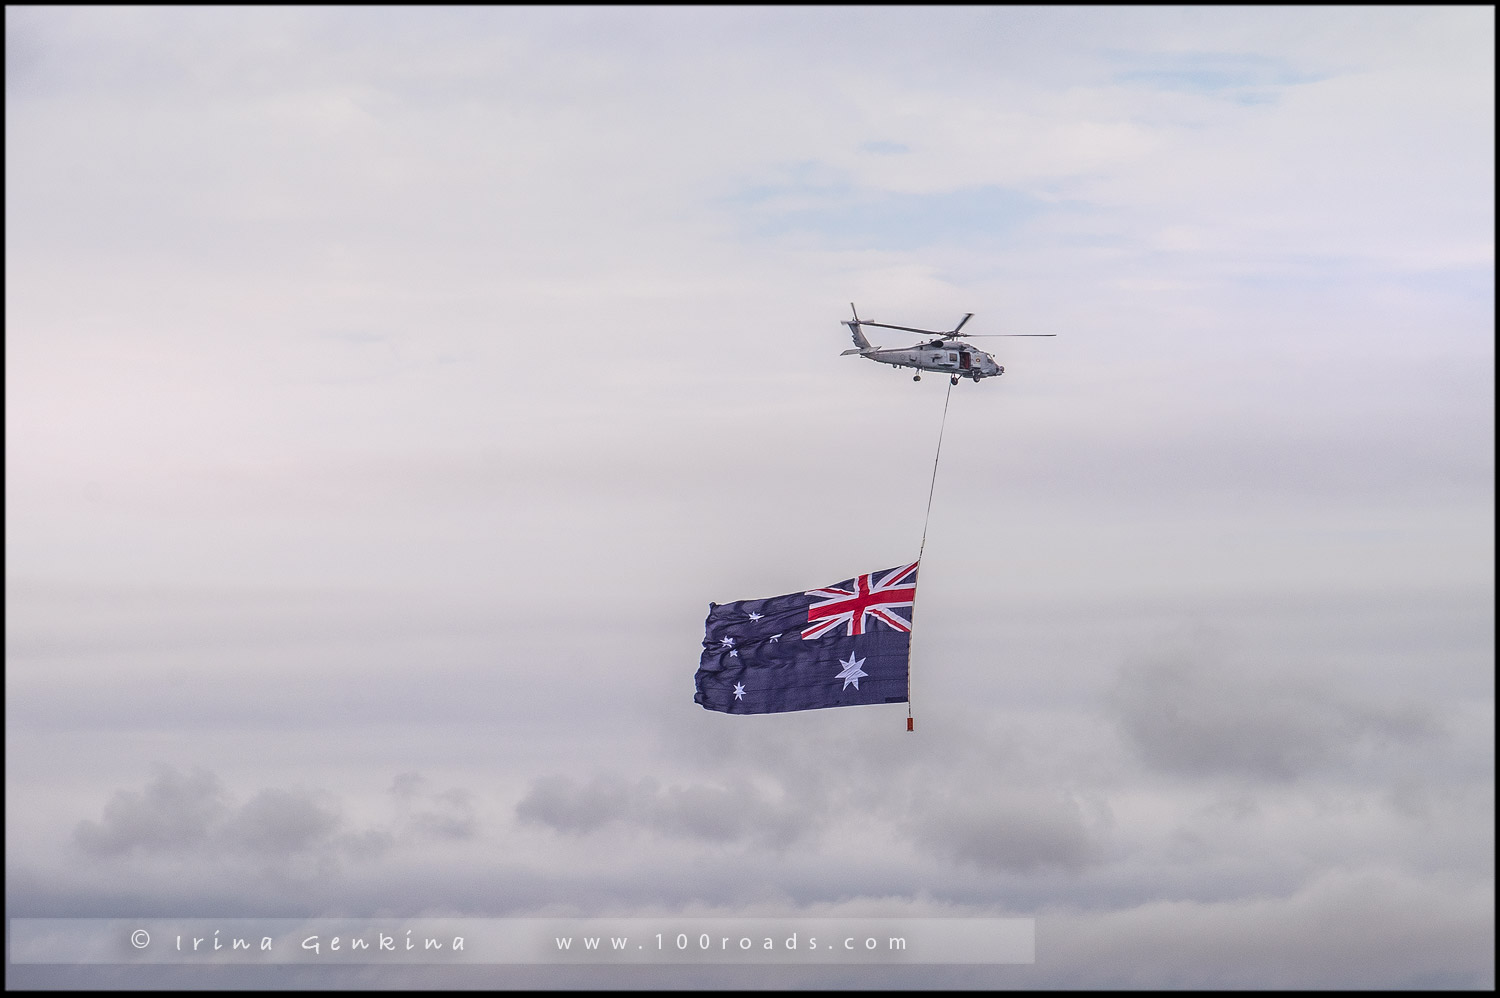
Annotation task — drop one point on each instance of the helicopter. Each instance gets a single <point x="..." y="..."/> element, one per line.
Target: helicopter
<point x="946" y="353"/>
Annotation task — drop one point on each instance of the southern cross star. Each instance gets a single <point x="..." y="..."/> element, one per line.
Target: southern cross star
<point x="739" y="691"/>
<point x="852" y="671"/>
<point x="755" y="616"/>
<point x="727" y="642"/>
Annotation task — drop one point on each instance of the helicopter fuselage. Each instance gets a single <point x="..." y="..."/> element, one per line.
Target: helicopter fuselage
<point x="955" y="359"/>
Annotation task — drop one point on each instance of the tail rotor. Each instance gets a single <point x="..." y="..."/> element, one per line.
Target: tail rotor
<point x="856" y="331"/>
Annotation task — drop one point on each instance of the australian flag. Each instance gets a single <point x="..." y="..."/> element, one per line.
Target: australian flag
<point x="838" y="646"/>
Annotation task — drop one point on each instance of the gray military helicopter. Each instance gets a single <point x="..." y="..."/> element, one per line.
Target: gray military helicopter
<point x="947" y="353"/>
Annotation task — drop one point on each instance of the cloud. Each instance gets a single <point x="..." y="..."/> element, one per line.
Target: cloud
<point x="175" y="812"/>
<point x="447" y="814"/>
<point x="279" y="822"/>
<point x="1014" y="830"/>
<point x="1187" y="714"/>
<point x="1341" y="929"/>
<point x="179" y="814"/>
<point x="964" y="800"/>
<point x="560" y="803"/>
<point x="184" y="815"/>
<point x="1247" y="79"/>
<point x="732" y="812"/>
<point x="827" y="208"/>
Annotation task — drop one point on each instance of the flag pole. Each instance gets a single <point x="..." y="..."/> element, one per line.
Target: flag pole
<point x="923" y="547"/>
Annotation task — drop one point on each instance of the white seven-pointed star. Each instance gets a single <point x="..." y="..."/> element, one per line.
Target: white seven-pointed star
<point x="852" y="671"/>
<point x="756" y="616"/>
<point x="739" y="691"/>
<point x="727" y="642"/>
<point x="734" y="653"/>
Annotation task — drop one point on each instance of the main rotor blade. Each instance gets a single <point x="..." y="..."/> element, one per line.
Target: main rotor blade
<point x="909" y="329"/>
<point x="966" y="318"/>
<point x="972" y="336"/>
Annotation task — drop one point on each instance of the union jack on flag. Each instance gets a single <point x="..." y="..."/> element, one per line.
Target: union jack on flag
<point x="876" y="598"/>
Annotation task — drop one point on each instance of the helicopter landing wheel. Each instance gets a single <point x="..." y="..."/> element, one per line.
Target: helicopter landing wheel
<point x="976" y="377"/>
<point x="916" y="377"/>
<point x="953" y="380"/>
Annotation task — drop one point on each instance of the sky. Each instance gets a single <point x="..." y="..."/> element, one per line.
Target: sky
<point x="388" y="392"/>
